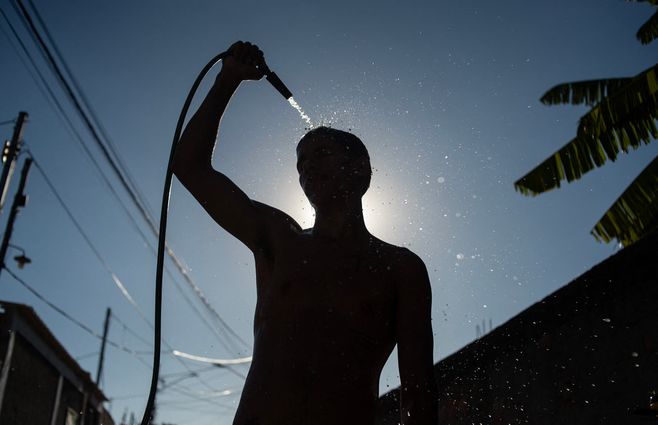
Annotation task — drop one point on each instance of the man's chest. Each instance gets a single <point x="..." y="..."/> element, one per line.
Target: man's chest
<point x="328" y="286"/>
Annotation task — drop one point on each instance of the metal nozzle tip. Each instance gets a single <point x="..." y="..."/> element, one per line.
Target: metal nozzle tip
<point x="278" y="84"/>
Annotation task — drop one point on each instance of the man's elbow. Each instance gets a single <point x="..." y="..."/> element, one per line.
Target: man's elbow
<point x="185" y="169"/>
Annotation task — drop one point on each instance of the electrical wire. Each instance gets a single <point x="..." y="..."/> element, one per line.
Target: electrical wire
<point x="85" y="102"/>
<point x="128" y="329"/>
<point x="93" y="248"/>
<point x="29" y="23"/>
<point x="55" y="104"/>
<point x="71" y="318"/>
<point x="162" y="246"/>
<point x="86" y="356"/>
<point x="116" y="280"/>
<point x="135" y="353"/>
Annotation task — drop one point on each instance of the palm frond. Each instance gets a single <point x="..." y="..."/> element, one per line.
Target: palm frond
<point x="627" y="119"/>
<point x="635" y="213"/>
<point x="588" y="92"/>
<point x="649" y="31"/>
<point x="569" y="163"/>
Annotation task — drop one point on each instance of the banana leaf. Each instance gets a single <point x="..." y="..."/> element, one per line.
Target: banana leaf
<point x="589" y="92"/>
<point x="635" y="213"/>
<point x="625" y="119"/>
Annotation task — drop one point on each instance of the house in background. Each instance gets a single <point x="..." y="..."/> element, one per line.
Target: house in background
<point x="40" y="383"/>
<point x="586" y="354"/>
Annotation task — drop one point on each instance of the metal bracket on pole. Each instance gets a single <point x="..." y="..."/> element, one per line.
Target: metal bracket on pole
<point x="9" y="153"/>
<point x="20" y="200"/>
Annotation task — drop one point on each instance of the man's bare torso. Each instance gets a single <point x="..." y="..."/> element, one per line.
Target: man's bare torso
<point x="332" y="302"/>
<point x="324" y="327"/>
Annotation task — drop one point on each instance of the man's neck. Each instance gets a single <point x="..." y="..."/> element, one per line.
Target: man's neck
<point x="341" y="223"/>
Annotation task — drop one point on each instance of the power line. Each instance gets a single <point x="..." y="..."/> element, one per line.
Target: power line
<point x="85" y="102"/>
<point x="139" y="203"/>
<point x="114" y="277"/>
<point x="81" y="112"/>
<point x="56" y="105"/>
<point x="129" y="330"/>
<point x="77" y="225"/>
<point x="30" y="25"/>
<point x="85" y="356"/>
<point x="71" y="318"/>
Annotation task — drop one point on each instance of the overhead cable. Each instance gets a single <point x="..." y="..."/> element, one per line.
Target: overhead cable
<point x="49" y="95"/>
<point x="116" y="168"/>
<point x="72" y="319"/>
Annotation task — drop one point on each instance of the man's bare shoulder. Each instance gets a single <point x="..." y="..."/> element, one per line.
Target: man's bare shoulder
<point x="409" y="270"/>
<point x="403" y="257"/>
<point x="277" y="220"/>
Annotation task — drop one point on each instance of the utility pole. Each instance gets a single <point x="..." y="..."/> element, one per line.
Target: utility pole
<point x="20" y="200"/>
<point x="9" y="153"/>
<point x="102" y="357"/>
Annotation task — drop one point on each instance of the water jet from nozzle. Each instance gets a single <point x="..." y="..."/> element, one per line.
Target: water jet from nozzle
<point x="305" y="117"/>
<point x="281" y="88"/>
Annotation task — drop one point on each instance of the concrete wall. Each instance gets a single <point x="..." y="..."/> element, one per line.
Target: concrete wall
<point x="586" y="354"/>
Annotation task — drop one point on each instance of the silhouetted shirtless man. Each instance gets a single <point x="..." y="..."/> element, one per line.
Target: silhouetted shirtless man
<point x="333" y="300"/>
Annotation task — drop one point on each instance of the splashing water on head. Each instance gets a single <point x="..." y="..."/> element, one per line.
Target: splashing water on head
<point x="305" y="117"/>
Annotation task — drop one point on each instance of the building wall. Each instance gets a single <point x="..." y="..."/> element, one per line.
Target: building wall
<point x="587" y="354"/>
<point x="31" y="379"/>
<point x="34" y="371"/>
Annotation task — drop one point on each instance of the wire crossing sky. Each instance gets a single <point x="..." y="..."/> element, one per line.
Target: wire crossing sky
<point x="444" y="94"/>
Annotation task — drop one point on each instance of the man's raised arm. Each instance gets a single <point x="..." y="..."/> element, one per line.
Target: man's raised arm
<point x="418" y="397"/>
<point x="226" y="203"/>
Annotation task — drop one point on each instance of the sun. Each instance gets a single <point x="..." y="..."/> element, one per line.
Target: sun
<point x="373" y="214"/>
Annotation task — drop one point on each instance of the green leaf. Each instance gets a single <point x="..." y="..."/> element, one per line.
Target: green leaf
<point x="635" y="213"/>
<point x="588" y="92"/>
<point x="625" y="119"/>
<point x="649" y="31"/>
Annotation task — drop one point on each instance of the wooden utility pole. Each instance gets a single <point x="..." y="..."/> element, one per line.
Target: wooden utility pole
<point x="9" y="153"/>
<point x="20" y="200"/>
<point x="106" y="326"/>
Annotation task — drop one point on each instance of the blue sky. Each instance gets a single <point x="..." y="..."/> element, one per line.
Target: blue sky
<point x="444" y="94"/>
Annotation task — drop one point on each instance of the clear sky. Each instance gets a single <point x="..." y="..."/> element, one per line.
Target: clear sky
<point x="443" y="93"/>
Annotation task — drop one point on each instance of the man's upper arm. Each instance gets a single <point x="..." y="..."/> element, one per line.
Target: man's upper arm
<point x="415" y="343"/>
<point x="249" y="221"/>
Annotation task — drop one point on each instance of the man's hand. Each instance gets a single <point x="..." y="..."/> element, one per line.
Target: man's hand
<point x="245" y="61"/>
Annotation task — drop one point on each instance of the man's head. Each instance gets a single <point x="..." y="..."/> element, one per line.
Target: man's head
<point x="332" y="163"/>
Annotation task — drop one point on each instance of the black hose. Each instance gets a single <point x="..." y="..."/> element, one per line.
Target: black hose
<point x="148" y="411"/>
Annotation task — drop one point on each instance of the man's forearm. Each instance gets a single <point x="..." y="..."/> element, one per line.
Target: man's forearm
<point x="198" y="140"/>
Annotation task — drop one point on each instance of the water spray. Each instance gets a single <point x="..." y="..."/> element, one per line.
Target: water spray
<point x="281" y="88"/>
<point x="278" y="84"/>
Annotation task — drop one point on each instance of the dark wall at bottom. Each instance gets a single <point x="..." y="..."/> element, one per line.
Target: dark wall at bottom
<point x="586" y="354"/>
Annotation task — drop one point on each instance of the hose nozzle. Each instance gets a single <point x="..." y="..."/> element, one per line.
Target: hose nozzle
<point x="277" y="83"/>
